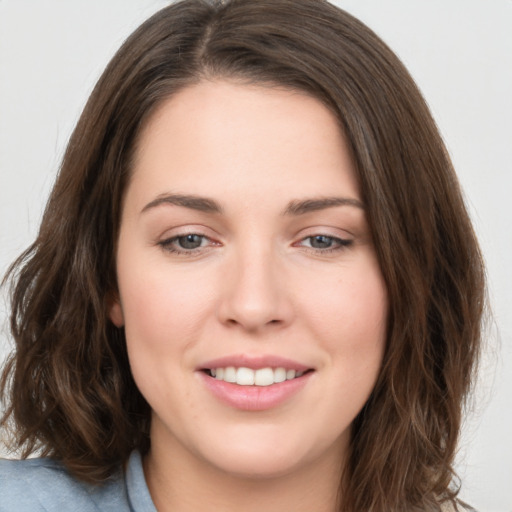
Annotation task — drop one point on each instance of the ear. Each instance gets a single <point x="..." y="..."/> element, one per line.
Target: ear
<point x="115" y="310"/>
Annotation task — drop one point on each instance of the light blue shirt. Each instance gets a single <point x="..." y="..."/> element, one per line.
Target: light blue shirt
<point x="45" y="485"/>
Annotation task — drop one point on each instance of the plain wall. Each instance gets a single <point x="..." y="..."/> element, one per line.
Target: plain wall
<point x="459" y="52"/>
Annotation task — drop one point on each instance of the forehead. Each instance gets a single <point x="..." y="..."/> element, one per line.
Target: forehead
<point x="217" y="137"/>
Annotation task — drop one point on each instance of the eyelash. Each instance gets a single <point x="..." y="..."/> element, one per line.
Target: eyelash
<point x="170" y="244"/>
<point x="339" y="244"/>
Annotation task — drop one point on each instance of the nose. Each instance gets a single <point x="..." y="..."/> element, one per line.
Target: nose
<point x="255" y="296"/>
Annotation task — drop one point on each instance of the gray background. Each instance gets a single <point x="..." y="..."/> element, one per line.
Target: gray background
<point x="460" y="53"/>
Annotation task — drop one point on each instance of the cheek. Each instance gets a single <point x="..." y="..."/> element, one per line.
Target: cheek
<point x="348" y="318"/>
<point x="161" y="302"/>
<point x="164" y="313"/>
<point x="349" y="312"/>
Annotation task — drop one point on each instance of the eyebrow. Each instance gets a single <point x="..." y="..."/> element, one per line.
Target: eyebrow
<point x="202" y="204"/>
<point x="301" y="207"/>
<point x="295" y="207"/>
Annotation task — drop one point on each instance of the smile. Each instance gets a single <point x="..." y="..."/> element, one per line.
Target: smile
<point x="248" y="377"/>
<point x="254" y="382"/>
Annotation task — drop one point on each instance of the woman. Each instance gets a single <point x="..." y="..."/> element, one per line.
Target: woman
<point x="255" y="284"/>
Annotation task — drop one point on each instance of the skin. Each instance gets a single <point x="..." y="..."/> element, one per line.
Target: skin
<point x="258" y="284"/>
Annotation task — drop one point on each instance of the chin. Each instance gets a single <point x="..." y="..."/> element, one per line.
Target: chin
<point x="258" y="466"/>
<point x="265" y="455"/>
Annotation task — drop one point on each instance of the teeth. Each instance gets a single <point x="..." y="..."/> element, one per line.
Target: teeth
<point x="248" y="377"/>
<point x="230" y="374"/>
<point x="279" y="375"/>
<point x="245" y="376"/>
<point x="290" y="374"/>
<point x="264" y="377"/>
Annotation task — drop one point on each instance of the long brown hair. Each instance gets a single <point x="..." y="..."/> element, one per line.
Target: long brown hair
<point x="68" y="386"/>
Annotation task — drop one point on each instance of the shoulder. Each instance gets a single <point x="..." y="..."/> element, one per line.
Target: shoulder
<point x="45" y="485"/>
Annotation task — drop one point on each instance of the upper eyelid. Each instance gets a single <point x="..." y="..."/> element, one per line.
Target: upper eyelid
<point x="337" y="239"/>
<point x="333" y="237"/>
<point x="331" y="232"/>
<point x="205" y="232"/>
<point x="168" y="239"/>
<point x="170" y="246"/>
<point x="176" y="232"/>
<point x="201" y="233"/>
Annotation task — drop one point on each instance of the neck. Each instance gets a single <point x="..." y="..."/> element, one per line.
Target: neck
<point x="186" y="484"/>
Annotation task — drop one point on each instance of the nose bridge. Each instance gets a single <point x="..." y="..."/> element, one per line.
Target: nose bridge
<point x="253" y="295"/>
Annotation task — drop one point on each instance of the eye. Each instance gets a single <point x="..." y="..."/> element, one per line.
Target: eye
<point x="186" y="244"/>
<point x="324" y="243"/>
<point x="321" y="241"/>
<point x="191" y="241"/>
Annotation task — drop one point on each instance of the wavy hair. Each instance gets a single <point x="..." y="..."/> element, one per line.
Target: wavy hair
<point x="68" y="388"/>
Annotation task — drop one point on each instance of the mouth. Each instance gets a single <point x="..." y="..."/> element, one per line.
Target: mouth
<point x="262" y="377"/>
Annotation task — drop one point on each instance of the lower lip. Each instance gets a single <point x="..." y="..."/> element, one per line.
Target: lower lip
<point x="255" y="398"/>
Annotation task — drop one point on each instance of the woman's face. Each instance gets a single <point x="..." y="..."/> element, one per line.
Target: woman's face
<point x="244" y="255"/>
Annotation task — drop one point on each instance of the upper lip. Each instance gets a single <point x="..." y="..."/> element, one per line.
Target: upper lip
<point x="254" y="363"/>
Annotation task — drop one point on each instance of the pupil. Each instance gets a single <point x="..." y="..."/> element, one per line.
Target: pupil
<point x="190" y="241"/>
<point x="321" y="242"/>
